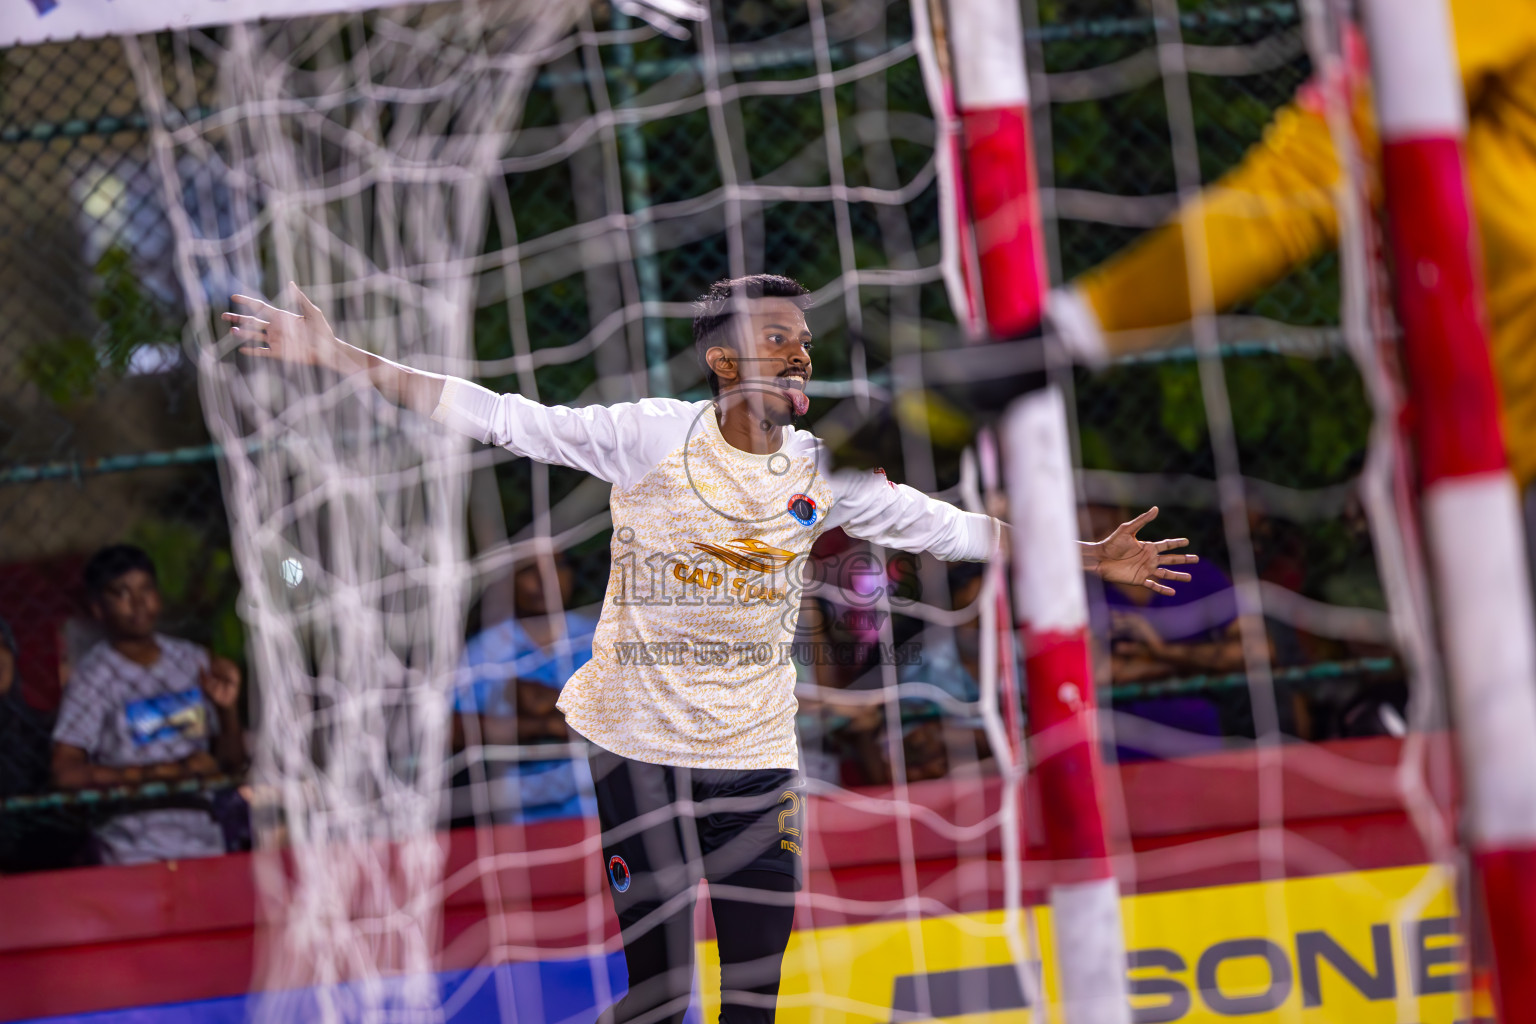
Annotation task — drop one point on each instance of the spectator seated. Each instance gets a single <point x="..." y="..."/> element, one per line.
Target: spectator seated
<point x="1152" y="636"/>
<point x="140" y="706"/>
<point x="29" y="842"/>
<point x="24" y="730"/>
<point x="938" y="670"/>
<point x="509" y="680"/>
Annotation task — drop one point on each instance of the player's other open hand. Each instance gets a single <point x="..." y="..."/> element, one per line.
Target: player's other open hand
<point x="304" y="337"/>
<point x="1123" y="558"/>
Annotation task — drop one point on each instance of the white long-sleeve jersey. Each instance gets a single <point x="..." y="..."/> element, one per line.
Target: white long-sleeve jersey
<point x="690" y="662"/>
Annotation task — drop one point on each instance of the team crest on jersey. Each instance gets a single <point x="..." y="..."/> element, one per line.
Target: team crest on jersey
<point x="803" y="508"/>
<point x="618" y="873"/>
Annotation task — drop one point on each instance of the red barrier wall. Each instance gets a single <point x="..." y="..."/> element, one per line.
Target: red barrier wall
<point x="101" y="938"/>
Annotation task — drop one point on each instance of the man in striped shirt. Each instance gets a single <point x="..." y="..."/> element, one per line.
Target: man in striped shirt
<point x="141" y="707"/>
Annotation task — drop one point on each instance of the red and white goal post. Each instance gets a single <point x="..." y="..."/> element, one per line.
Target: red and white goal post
<point x="1470" y="505"/>
<point x="1050" y="601"/>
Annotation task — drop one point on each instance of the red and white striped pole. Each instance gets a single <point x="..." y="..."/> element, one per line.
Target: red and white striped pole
<point x="987" y="50"/>
<point x="1063" y="738"/>
<point x="992" y="92"/>
<point x="1470" y="504"/>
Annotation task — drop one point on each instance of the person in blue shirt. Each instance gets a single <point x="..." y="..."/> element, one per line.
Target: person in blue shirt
<point x="509" y="680"/>
<point x="942" y="724"/>
<point x="944" y="736"/>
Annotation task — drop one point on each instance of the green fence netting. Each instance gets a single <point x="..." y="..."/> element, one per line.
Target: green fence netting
<point x="102" y="439"/>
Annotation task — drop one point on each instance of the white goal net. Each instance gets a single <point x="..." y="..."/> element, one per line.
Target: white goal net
<point x="531" y="195"/>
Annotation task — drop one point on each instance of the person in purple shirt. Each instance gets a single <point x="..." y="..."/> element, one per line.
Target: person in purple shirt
<point x="1191" y="632"/>
<point x="1151" y="635"/>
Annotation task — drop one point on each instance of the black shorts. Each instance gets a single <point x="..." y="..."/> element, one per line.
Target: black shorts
<point x="655" y="846"/>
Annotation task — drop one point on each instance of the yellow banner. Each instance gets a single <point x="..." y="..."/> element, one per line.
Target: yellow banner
<point x="1362" y="948"/>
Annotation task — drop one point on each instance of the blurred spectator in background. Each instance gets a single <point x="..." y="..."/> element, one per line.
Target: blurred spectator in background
<point x="1154" y="636"/>
<point x="24" y="730"/>
<point x="31" y="839"/>
<point x="942" y="736"/>
<point x="1192" y="631"/>
<point x="839" y="665"/>
<point x="509" y="680"/>
<point x="820" y="716"/>
<point x="842" y="720"/>
<point x="141" y="707"/>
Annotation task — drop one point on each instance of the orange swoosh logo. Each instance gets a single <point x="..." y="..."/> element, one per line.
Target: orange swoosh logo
<point x="748" y="554"/>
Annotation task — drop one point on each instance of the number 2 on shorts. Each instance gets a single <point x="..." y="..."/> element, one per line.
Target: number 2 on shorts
<point x="789" y="812"/>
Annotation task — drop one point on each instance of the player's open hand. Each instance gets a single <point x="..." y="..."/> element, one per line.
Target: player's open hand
<point x="221" y="682"/>
<point x="268" y="332"/>
<point x="1123" y="558"/>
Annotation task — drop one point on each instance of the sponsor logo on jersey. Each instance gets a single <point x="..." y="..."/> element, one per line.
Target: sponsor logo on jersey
<point x="745" y="554"/>
<point x="750" y="554"/>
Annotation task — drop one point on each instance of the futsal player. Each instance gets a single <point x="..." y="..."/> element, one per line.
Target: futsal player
<point x="688" y="698"/>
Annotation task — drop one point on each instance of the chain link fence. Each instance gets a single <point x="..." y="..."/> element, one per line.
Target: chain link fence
<point x="102" y="439"/>
<point x="1299" y="411"/>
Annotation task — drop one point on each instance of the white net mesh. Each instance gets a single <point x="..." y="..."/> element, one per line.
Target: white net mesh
<point x="389" y="163"/>
<point x="355" y="153"/>
<point x="480" y="190"/>
<point x="1250" y="503"/>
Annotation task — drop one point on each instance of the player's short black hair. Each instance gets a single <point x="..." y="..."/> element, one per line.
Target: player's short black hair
<point x="714" y="310"/>
<point x="111" y="563"/>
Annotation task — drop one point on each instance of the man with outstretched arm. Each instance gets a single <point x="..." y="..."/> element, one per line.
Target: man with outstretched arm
<point x="688" y="695"/>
